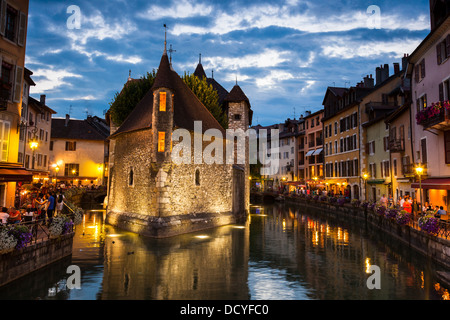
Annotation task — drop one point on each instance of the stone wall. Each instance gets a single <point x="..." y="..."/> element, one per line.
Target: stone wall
<point x="165" y="198"/>
<point x="19" y="263"/>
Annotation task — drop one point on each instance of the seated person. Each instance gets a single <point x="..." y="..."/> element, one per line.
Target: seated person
<point x="14" y="216"/>
<point x="441" y="212"/>
<point x="4" y="215"/>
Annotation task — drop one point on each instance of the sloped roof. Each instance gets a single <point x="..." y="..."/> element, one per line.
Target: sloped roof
<point x="77" y="130"/>
<point x="187" y="107"/>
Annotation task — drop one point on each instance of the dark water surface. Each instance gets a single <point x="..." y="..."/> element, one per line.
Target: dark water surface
<point x="281" y="253"/>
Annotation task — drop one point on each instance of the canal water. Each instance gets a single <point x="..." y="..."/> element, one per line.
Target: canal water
<point x="282" y="252"/>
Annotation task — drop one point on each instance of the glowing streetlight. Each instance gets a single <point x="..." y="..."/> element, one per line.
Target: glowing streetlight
<point x="419" y="171"/>
<point x="365" y="176"/>
<point x="33" y="146"/>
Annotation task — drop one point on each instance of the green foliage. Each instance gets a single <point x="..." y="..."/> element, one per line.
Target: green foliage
<point x="207" y="95"/>
<point x="125" y="101"/>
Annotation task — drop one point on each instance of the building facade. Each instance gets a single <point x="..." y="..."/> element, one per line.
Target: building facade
<point x="79" y="151"/>
<point x="314" y="153"/>
<point x="13" y="31"/>
<point x="341" y="123"/>
<point x="429" y="72"/>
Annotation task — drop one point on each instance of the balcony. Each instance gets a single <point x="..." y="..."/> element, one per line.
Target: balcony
<point x="397" y="145"/>
<point x="436" y="116"/>
<point x="408" y="170"/>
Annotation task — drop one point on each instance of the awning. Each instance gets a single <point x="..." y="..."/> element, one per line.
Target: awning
<point x="310" y="153"/>
<point x="15" y="175"/>
<point x="317" y="152"/>
<point x="375" y="181"/>
<point x="434" y="183"/>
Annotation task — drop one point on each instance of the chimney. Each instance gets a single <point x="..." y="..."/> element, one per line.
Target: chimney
<point x="43" y="99"/>
<point x="405" y="61"/>
<point x="308" y="113"/>
<point x="368" y="82"/>
<point x="385" y="72"/>
<point x="378" y="75"/>
<point x="396" y="67"/>
<point x="67" y="120"/>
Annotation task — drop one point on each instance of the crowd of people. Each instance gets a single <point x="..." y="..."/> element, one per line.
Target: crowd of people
<point x="412" y="206"/>
<point x="41" y="203"/>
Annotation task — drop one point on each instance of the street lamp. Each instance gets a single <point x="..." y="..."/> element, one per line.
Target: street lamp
<point x="73" y="177"/>
<point x="33" y="146"/>
<point x="365" y="176"/>
<point x="419" y="171"/>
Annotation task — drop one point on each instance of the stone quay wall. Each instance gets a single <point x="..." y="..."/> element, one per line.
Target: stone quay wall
<point x="436" y="248"/>
<point x="19" y="263"/>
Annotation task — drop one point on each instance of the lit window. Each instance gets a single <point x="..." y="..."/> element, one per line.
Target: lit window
<point x="162" y="101"/>
<point x="161" y="141"/>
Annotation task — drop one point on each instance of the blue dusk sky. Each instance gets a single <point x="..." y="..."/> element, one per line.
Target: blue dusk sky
<point x="284" y="54"/>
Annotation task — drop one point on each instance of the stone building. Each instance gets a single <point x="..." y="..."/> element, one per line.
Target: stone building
<point x="152" y="194"/>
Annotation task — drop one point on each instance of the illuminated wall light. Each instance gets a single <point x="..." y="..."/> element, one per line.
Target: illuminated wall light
<point x="201" y="237"/>
<point x="367" y="262"/>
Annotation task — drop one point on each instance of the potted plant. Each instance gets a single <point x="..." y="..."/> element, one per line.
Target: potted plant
<point x="7" y="241"/>
<point x="429" y="224"/>
<point x="403" y="217"/>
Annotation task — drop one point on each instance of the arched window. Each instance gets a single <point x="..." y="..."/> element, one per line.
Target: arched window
<point x="131" y="177"/>
<point x="197" y="177"/>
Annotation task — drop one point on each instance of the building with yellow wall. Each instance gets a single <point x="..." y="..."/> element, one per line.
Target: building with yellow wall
<point x="13" y="31"/>
<point x="341" y="121"/>
<point x="79" y="151"/>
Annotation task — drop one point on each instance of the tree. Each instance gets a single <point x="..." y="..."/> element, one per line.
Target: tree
<point x="207" y="95"/>
<point x="133" y="92"/>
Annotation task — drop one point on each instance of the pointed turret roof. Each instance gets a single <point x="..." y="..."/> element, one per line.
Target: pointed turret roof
<point x="187" y="107"/>
<point x="200" y="72"/>
<point x="237" y="95"/>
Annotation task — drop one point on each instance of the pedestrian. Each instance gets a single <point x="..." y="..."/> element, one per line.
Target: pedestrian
<point x="407" y="205"/>
<point x="60" y="203"/>
<point x="441" y="212"/>
<point x="401" y="202"/>
<point x="384" y="201"/>
<point x="50" y="206"/>
<point x="4" y="215"/>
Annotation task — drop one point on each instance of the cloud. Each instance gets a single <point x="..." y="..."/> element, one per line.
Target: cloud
<point x="180" y="9"/>
<point x="273" y="79"/>
<point x="50" y="79"/>
<point x="308" y="85"/>
<point x="264" y="16"/>
<point x="267" y="58"/>
<point x="344" y="47"/>
<point x="122" y="59"/>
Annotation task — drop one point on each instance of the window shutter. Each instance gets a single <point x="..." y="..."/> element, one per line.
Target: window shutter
<point x="5" y="129"/>
<point x="18" y="84"/>
<point x="448" y="46"/>
<point x="22" y="29"/>
<point x="417" y="73"/>
<point x="447" y="146"/>
<point x="3" y="17"/>
<point x="422" y="66"/>
<point x="438" y="53"/>
<point x="441" y="91"/>
<point x="74" y="146"/>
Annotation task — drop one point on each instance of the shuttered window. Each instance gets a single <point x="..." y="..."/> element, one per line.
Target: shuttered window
<point x="5" y="127"/>
<point x="447" y="146"/>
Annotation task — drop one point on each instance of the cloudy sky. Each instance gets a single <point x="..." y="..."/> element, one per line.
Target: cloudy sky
<point x="284" y="54"/>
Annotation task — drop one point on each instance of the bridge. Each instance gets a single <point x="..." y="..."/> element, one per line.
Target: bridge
<point x="93" y="199"/>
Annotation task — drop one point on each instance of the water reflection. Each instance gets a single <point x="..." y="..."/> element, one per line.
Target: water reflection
<point x="281" y="253"/>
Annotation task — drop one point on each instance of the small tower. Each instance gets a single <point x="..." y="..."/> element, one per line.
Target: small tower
<point x="162" y="117"/>
<point x="240" y="115"/>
